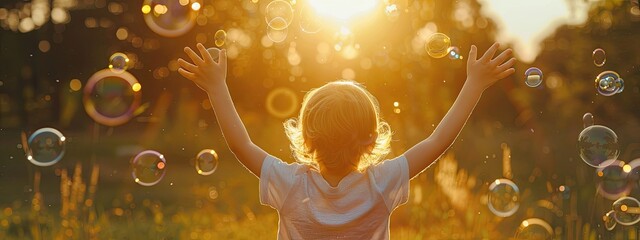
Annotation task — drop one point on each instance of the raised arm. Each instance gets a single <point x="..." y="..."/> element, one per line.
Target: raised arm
<point x="211" y="76"/>
<point x="481" y="73"/>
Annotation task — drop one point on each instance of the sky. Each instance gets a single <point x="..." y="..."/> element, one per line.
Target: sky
<point x="525" y="23"/>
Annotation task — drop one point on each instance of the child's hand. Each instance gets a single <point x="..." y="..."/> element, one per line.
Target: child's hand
<point x="206" y="73"/>
<point x="484" y="72"/>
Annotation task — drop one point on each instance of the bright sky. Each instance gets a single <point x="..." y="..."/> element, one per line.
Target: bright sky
<point x="525" y="23"/>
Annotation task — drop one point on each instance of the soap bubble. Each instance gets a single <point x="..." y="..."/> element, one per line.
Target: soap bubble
<point x="634" y="172"/>
<point x="533" y="77"/>
<point x="111" y="98"/>
<point x="148" y="167"/>
<point x="612" y="180"/>
<point x="215" y="53"/>
<point x="220" y="37"/>
<point x="587" y="120"/>
<point x="278" y="9"/>
<point x="609" y="220"/>
<point x="627" y="211"/>
<point x="437" y="45"/>
<point x="170" y="18"/>
<point x="504" y="197"/>
<point x="609" y="83"/>
<point x="597" y="144"/>
<point x="599" y="57"/>
<point x="282" y="102"/>
<point x="534" y="228"/>
<point x="46" y="146"/>
<point x="206" y="162"/>
<point x="278" y="34"/>
<point x="454" y="53"/>
<point x="118" y="62"/>
<point x="309" y="21"/>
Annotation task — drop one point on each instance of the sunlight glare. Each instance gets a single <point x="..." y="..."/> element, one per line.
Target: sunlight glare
<point x="342" y="10"/>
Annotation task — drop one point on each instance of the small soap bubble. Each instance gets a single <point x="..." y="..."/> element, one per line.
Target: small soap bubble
<point x="599" y="57"/>
<point x="111" y="98"/>
<point x="504" y="197"/>
<point x="533" y="77"/>
<point x="609" y="220"/>
<point x="46" y="146"/>
<point x="215" y="53"/>
<point x="609" y="83"/>
<point x="437" y="45"/>
<point x="220" y="37"/>
<point x="118" y="62"/>
<point x="148" y="167"/>
<point x="206" y="162"/>
<point x="612" y="180"/>
<point x="534" y="228"/>
<point x="597" y="144"/>
<point x="279" y="9"/>
<point x="454" y="53"/>
<point x="587" y="120"/>
<point x="277" y="35"/>
<point x="627" y="211"/>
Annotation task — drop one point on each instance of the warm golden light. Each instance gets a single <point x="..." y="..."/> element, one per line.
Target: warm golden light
<point x="342" y="10"/>
<point x="75" y="84"/>
<point x="136" y="87"/>
<point x="626" y="168"/>
<point x="195" y="6"/>
<point x="146" y="9"/>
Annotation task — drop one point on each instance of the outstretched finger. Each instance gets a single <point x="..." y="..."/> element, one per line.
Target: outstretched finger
<point x="205" y="54"/>
<point x="502" y="57"/>
<point x="473" y="53"/>
<point x="506" y="73"/>
<point x="187" y="66"/>
<point x="488" y="55"/>
<point x="194" y="57"/>
<point x="506" y="65"/>
<point x="188" y="75"/>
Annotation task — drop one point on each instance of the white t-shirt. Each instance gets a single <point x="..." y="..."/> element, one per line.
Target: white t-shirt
<point x="358" y="208"/>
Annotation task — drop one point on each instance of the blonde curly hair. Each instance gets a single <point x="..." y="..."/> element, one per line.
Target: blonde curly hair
<point x="340" y="126"/>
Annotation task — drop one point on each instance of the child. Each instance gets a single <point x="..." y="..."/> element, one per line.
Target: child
<point x="339" y="188"/>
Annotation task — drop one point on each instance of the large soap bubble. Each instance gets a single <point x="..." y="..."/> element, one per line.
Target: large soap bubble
<point x="597" y="144"/>
<point x="504" y="197"/>
<point x="46" y="146"/>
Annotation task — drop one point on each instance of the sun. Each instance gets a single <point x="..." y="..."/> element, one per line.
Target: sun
<point x="342" y="9"/>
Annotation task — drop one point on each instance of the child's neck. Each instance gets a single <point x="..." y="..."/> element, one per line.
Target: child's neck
<point x="333" y="176"/>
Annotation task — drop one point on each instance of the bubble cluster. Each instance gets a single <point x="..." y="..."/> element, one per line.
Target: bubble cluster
<point x="627" y="211"/>
<point x="215" y="53"/>
<point x="206" y="162"/>
<point x="533" y="77"/>
<point x="609" y="220"/>
<point x="597" y="144"/>
<point x="46" y="146"/>
<point x="587" y="120"/>
<point x="609" y="83"/>
<point x="220" y="37"/>
<point x="599" y="57"/>
<point x="118" y="62"/>
<point x="534" y="228"/>
<point x="454" y="53"/>
<point x="504" y="197"/>
<point x="437" y="45"/>
<point x="170" y="18"/>
<point x="111" y="98"/>
<point x="612" y="180"/>
<point x="148" y="167"/>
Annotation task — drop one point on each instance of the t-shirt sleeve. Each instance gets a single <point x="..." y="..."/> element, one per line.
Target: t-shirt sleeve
<point x="276" y="180"/>
<point x="392" y="181"/>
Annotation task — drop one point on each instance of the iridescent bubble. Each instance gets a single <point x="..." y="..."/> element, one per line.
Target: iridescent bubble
<point x="280" y="34"/>
<point x="612" y="180"/>
<point x="118" y="62"/>
<point x="609" y="83"/>
<point x="278" y="9"/>
<point x="309" y="21"/>
<point x="206" y="162"/>
<point x="454" y="53"/>
<point x="587" y="120"/>
<point x="627" y="211"/>
<point x="534" y="228"/>
<point x="220" y="37"/>
<point x="597" y="144"/>
<point x="599" y="57"/>
<point x="170" y="18"/>
<point x="504" y="197"/>
<point x="148" y="167"/>
<point x="215" y="53"/>
<point x="533" y="77"/>
<point x="111" y="98"/>
<point x="609" y="220"/>
<point x="46" y="146"/>
<point x="437" y="45"/>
